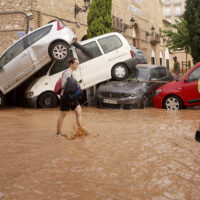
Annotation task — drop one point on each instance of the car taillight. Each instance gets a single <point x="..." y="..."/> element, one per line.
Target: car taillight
<point x="132" y="54"/>
<point x="59" y="27"/>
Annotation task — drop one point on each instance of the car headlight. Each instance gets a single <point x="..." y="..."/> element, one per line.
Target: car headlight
<point x="29" y="94"/>
<point x="158" y="91"/>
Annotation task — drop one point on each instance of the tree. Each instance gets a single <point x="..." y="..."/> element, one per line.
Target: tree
<point x="99" y="18"/>
<point x="177" y="36"/>
<point x="192" y="16"/>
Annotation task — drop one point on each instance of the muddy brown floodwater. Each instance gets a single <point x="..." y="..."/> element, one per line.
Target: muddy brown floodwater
<point x="144" y="154"/>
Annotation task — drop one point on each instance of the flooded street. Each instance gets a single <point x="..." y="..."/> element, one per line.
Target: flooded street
<point x="144" y="154"/>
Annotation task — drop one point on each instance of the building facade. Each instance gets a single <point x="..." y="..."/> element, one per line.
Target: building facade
<point x="172" y="10"/>
<point x="140" y="21"/>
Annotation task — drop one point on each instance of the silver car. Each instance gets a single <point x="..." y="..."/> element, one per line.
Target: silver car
<point x="139" y="55"/>
<point x="32" y="52"/>
<point x="135" y="92"/>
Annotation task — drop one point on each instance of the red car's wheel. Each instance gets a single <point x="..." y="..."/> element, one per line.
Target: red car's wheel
<point x="173" y="102"/>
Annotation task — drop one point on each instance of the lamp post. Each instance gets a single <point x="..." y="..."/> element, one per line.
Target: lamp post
<point x="152" y="32"/>
<point x="77" y="9"/>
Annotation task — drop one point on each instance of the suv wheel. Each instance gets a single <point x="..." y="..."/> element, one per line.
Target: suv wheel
<point x="47" y="100"/>
<point x="59" y="51"/>
<point x="173" y="102"/>
<point x="119" y="72"/>
<point x="1" y="100"/>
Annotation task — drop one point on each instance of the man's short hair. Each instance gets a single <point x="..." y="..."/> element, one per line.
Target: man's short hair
<point x="71" y="60"/>
<point x="174" y="57"/>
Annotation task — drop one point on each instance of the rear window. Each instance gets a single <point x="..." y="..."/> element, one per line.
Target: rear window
<point x="158" y="73"/>
<point x="35" y="36"/>
<point x="110" y="43"/>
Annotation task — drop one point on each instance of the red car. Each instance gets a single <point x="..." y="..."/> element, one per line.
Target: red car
<point x="179" y="94"/>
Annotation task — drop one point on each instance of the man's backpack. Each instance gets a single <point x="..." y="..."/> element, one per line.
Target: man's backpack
<point x="72" y="90"/>
<point x="58" y="86"/>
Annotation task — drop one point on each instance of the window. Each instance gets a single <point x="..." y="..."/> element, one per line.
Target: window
<point x="167" y="12"/>
<point x="195" y="75"/>
<point x="178" y="11"/>
<point x="110" y="43"/>
<point x="154" y="74"/>
<point x="153" y="62"/>
<point x="92" y="48"/>
<point x="177" y="2"/>
<point x="34" y="37"/>
<point x="162" y="71"/>
<point x="161" y="61"/>
<point x="12" y="52"/>
<point x="158" y="73"/>
<point x="166" y="2"/>
<point x="60" y="66"/>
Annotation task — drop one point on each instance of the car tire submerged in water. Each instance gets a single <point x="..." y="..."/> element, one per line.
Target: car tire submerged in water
<point x="119" y="72"/>
<point x="1" y="100"/>
<point x="172" y="102"/>
<point x="145" y="101"/>
<point x="47" y="100"/>
<point x="59" y="51"/>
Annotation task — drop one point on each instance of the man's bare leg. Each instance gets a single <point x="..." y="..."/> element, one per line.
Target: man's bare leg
<point x="60" y="121"/>
<point x="78" y="113"/>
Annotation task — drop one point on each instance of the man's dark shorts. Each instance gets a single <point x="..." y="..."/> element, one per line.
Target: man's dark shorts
<point x="67" y="105"/>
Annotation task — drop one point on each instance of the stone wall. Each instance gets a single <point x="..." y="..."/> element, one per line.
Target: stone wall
<point x="146" y="14"/>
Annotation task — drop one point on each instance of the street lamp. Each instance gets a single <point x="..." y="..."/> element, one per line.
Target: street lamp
<point x="132" y="20"/>
<point x="152" y="32"/>
<point x="77" y="9"/>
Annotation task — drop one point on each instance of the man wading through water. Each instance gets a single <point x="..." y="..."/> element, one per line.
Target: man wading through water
<point x="67" y="104"/>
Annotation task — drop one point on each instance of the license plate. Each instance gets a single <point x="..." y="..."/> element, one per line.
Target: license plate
<point x="111" y="101"/>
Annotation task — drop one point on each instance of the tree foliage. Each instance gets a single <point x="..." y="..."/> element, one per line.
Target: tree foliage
<point x="177" y="36"/>
<point x="192" y="16"/>
<point x="99" y="18"/>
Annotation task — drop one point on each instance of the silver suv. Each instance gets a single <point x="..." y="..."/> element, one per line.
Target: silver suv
<point x="32" y="52"/>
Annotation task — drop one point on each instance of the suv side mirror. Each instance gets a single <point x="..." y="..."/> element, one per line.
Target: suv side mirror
<point x="185" y="81"/>
<point x="1" y="68"/>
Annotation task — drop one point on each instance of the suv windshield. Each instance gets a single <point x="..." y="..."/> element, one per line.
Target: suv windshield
<point x="139" y="74"/>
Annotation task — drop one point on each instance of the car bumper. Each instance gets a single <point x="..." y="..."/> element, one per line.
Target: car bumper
<point x="157" y="101"/>
<point x="31" y="102"/>
<point x="131" y="63"/>
<point x="122" y="103"/>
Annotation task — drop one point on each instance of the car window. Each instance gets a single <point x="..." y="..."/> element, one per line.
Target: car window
<point x="92" y="48"/>
<point x="195" y="75"/>
<point x="154" y="74"/>
<point x="34" y="37"/>
<point x="139" y="74"/>
<point x="60" y="66"/>
<point x="162" y="71"/>
<point x="110" y="43"/>
<point x="12" y="52"/>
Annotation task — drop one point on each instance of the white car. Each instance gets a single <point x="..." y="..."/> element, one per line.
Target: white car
<point x="110" y="57"/>
<point x="32" y="52"/>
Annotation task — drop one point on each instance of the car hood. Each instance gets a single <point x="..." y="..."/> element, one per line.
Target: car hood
<point x="172" y="84"/>
<point x="120" y="86"/>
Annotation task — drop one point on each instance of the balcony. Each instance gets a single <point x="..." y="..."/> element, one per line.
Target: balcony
<point x="155" y="39"/>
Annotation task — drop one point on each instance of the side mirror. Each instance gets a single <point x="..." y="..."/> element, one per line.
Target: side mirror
<point x="185" y="81"/>
<point x="1" y="68"/>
